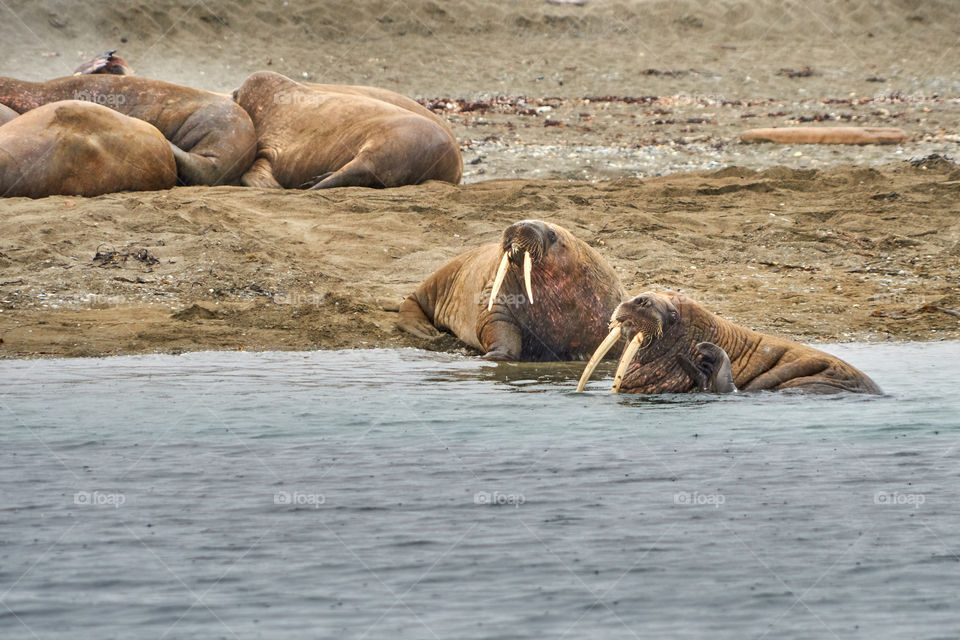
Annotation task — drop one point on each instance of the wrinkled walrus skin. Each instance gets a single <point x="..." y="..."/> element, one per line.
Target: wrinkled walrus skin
<point x="310" y="137"/>
<point x="212" y="138"/>
<point x="574" y="293"/>
<point x="674" y="325"/>
<point x="826" y="135"/>
<point x="82" y="149"/>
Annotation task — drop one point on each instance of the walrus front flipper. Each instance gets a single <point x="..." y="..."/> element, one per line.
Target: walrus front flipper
<point x="414" y="321"/>
<point x="691" y="369"/>
<point x="501" y="340"/>
<point x="260" y="175"/>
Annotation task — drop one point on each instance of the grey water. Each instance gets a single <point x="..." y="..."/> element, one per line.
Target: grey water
<point x="407" y="494"/>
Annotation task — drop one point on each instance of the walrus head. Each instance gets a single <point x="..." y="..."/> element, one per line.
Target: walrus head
<point x="524" y="245"/>
<point x="106" y="63"/>
<point x="660" y="328"/>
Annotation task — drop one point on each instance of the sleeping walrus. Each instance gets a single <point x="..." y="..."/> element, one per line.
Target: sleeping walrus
<point x="211" y="138"/>
<point x="317" y="137"/>
<point x="663" y="328"/>
<point x="82" y="149"/>
<point x="538" y="294"/>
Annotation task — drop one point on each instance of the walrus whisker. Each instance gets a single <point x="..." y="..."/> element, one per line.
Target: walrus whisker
<point x="527" y="269"/>
<point x="498" y="280"/>
<point x="598" y="355"/>
<point x="631" y="350"/>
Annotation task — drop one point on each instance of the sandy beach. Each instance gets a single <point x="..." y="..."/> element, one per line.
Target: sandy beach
<point x="619" y="121"/>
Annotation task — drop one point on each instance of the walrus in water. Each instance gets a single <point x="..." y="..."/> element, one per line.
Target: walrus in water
<point x="826" y="135"/>
<point x="663" y="328"/>
<point x="540" y="294"/>
<point x="107" y="63"/>
<point x="710" y="368"/>
<point x="308" y="136"/>
<point x="7" y="114"/>
<point x="82" y="149"/>
<point x="212" y="138"/>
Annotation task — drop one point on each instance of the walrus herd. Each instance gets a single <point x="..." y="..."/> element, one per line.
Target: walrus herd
<point x="272" y="132"/>
<point x="539" y="294"/>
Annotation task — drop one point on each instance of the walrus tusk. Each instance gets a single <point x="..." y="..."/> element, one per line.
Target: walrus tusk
<point x="527" y="268"/>
<point x="628" y="353"/>
<point x="498" y="281"/>
<point x="597" y="356"/>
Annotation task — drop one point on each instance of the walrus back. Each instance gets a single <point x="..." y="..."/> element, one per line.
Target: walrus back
<point x="83" y="149"/>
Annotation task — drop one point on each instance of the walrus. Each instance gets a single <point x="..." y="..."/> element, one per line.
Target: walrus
<point x="82" y="149"/>
<point x="318" y="138"/>
<point x="540" y="294"/>
<point x="826" y="135"/>
<point x="7" y="114"/>
<point x="105" y="63"/>
<point x="663" y="328"/>
<point x="710" y="368"/>
<point x="212" y="138"/>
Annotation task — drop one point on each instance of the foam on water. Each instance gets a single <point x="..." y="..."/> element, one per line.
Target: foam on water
<point x="363" y="494"/>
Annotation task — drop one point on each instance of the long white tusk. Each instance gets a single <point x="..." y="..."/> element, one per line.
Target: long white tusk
<point x="597" y="356"/>
<point x="498" y="281"/>
<point x="527" y="268"/>
<point x="625" y="359"/>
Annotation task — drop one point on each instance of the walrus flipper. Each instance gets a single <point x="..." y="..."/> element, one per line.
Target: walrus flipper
<point x="501" y="339"/>
<point x="260" y="175"/>
<point x="356" y="173"/>
<point x="690" y="368"/>
<point x="795" y="374"/>
<point x="414" y="321"/>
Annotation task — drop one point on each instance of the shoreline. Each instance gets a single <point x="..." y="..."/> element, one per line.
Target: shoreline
<point x="840" y="255"/>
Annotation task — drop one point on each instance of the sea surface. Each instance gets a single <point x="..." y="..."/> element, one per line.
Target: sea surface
<point x="408" y="494"/>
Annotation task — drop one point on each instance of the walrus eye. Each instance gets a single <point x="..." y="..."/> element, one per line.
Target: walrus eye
<point x="674" y="316"/>
<point x="551" y="235"/>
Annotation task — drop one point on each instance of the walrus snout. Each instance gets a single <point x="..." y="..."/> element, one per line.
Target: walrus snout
<point x="641" y="320"/>
<point x="532" y="236"/>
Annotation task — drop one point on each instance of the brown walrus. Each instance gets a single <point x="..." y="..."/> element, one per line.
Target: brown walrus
<point x="105" y="63"/>
<point x="662" y="328"/>
<point x="318" y="138"/>
<point x="212" y="138"/>
<point x="826" y="135"/>
<point x="80" y="148"/>
<point x="7" y="114"/>
<point x="540" y="294"/>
